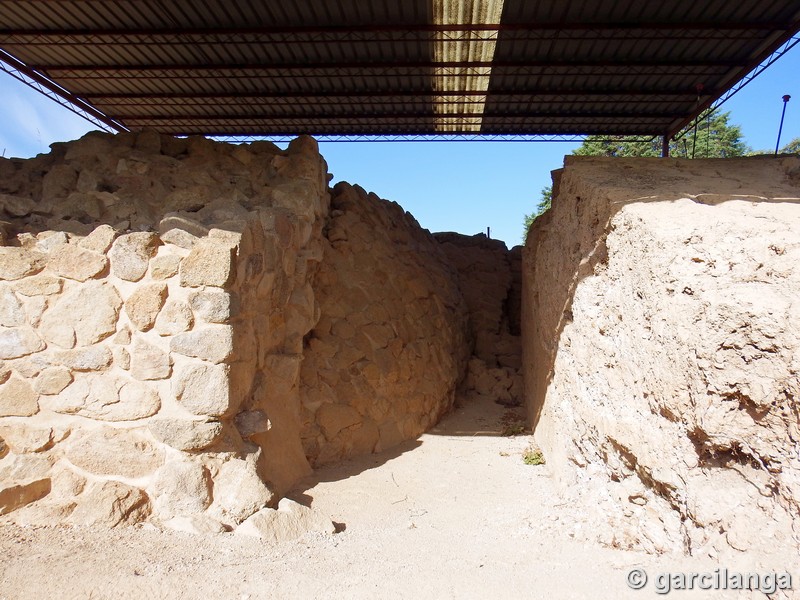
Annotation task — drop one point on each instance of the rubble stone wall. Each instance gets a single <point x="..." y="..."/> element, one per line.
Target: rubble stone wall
<point x="156" y="299"/>
<point x="489" y="277"/>
<point x="660" y="327"/>
<point x="383" y="363"/>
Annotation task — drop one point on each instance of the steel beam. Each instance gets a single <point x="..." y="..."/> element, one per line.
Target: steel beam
<point x="401" y="28"/>
<point x="344" y="116"/>
<point x="82" y="108"/>
<point x="770" y="51"/>
<point x="394" y="64"/>
<point x="333" y="95"/>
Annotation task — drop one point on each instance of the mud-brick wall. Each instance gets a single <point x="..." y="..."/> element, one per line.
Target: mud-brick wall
<point x="660" y="328"/>
<point x="383" y="363"/>
<point x="154" y="295"/>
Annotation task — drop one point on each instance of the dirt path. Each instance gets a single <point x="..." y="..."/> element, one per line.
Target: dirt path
<point x="455" y="514"/>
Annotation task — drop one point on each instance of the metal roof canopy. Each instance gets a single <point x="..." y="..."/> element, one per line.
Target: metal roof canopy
<point x="452" y="68"/>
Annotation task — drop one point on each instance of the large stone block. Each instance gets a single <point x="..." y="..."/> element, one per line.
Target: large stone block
<point x="15" y="495"/>
<point x="39" y="285"/>
<point x="85" y="315"/>
<point x="99" y="240"/>
<point x="213" y="306"/>
<point x="52" y="380"/>
<point x="106" y="398"/>
<point x="185" y="434"/>
<point x="164" y="266"/>
<point x="289" y="522"/>
<point x="131" y="253"/>
<point x="181" y="230"/>
<point x="58" y="182"/>
<point x="175" y="318"/>
<point x="12" y="314"/>
<point x="16" y="263"/>
<point x="209" y="263"/>
<point x="111" y="504"/>
<point x="16" y="206"/>
<point x="89" y="358"/>
<point x="148" y="362"/>
<point x="17" y="398"/>
<point x="76" y="263"/>
<point x="144" y="304"/>
<point x="188" y="198"/>
<point x="23" y="438"/>
<point x="51" y="242"/>
<point x="114" y="452"/>
<point x="238" y="490"/>
<point x="180" y="488"/>
<point x="203" y="389"/>
<point x="25" y="467"/>
<point x="213" y="343"/>
<point x="19" y="341"/>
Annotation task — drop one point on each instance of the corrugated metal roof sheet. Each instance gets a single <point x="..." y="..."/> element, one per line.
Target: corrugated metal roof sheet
<point x="245" y="67"/>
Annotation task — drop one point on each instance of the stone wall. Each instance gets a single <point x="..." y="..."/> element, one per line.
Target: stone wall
<point x="660" y="320"/>
<point x="384" y="361"/>
<point x="186" y="326"/>
<point x="489" y="277"/>
<point x="154" y="297"/>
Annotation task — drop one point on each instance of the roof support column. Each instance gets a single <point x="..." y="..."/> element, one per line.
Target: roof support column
<point x="665" y="146"/>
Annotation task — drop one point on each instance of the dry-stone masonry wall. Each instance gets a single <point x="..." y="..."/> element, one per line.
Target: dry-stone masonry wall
<point x="156" y="299"/>
<point x="661" y="311"/>
<point x="490" y="279"/>
<point x="383" y="362"/>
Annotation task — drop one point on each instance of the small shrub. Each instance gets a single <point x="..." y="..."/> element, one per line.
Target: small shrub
<point x="512" y="423"/>
<point x="513" y="429"/>
<point x="533" y="456"/>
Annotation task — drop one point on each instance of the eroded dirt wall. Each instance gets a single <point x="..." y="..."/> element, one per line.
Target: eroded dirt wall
<point x="660" y="319"/>
<point x="383" y="363"/>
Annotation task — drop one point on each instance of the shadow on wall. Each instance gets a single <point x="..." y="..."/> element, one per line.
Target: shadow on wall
<point x="547" y="296"/>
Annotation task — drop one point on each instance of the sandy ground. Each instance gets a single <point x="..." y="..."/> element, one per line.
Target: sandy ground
<point x="454" y="514"/>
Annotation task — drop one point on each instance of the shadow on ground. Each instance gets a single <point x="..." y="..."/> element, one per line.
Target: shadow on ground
<point x="346" y="469"/>
<point x="477" y="416"/>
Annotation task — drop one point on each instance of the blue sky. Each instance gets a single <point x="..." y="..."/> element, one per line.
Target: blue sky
<point x="447" y="186"/>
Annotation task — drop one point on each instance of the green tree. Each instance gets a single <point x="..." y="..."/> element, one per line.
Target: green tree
<point x="714" y="137"/>
<point x="792" y="147"/>
<point x="544" y="204"/>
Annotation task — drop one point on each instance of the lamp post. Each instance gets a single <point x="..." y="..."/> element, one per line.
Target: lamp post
<point x="786" y="99"/>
